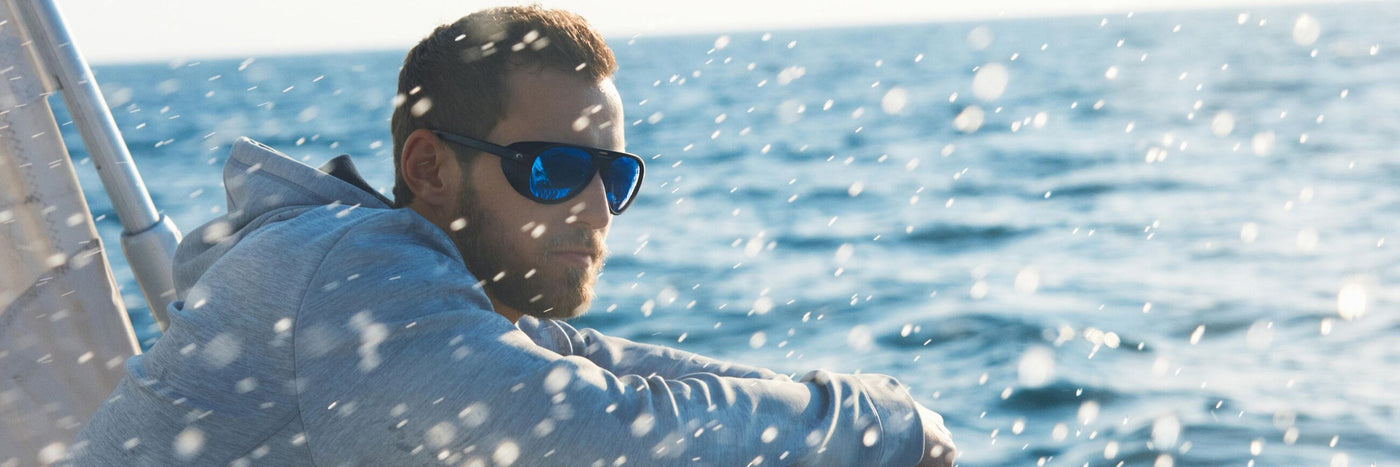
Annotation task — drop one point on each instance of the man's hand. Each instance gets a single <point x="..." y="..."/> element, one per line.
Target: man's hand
<point x="939" y="450"/>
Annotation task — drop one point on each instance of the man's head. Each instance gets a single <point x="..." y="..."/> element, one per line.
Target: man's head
<point x="507" y="75"/>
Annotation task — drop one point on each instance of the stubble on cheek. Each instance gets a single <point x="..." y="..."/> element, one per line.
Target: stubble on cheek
<point x="517" y="271"/>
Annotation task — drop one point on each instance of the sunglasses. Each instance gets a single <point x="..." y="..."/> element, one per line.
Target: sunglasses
<point x="552" y="173"/>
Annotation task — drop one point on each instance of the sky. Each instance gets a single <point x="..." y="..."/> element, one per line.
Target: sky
<point x="109" y="31"/>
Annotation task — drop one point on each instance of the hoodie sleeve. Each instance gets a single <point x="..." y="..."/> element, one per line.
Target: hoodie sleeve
<point x="401" y="361"/>
<point x="626" y="357"/>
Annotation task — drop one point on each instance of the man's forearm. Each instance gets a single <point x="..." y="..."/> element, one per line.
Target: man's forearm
<point x="626" y="357"/>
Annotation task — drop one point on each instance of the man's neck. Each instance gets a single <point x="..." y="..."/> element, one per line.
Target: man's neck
<point x="442" y="222"/>
<point x="503" y="310"/>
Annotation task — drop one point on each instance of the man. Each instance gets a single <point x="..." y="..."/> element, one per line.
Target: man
<point x="319" y="324"/>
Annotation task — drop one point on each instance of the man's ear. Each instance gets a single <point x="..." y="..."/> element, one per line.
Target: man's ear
<point x="430" y="170"/>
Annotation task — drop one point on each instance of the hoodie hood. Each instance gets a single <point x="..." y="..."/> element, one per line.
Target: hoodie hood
<point x="265" y="186"/>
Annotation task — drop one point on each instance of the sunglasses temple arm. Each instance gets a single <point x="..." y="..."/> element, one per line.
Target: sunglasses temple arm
<point x="483" y="146"/>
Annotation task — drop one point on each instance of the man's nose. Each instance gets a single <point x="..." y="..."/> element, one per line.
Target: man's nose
<point x="590" y="208"/>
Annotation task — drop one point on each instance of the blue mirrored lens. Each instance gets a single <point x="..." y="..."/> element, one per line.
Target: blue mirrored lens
<point x="621" y="179"/>
<point x="558" y="172"/>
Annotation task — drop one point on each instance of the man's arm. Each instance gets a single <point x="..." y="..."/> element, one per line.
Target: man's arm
<point x="408" y="364"/>
<point x="625" y="357"/>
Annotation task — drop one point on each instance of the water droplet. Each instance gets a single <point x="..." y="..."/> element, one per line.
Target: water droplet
<point x="1307" y="240"/>
<point x="52" y="453"/>
<point x="979" y="38"/>
<point x="1059" y="432"/>
<point x="1306" y="30"/>
<point x="790" y="110"/>
<point x="371" y="335"/>
<point x="721" y="42"/>
<point x="758" y="339"/>
<point x="56" y="260"/>
<point x="990" y="81"/>
<point x="472" y="416"/>
<point x="1260" y="335"/>
<point x="222" y="350"/>
<point x="215" y="232"/>
<point x="1165" y="431"/>
<point x="506" y="453"/>
<point x="1290" y="436"/>
<point x="872" y="436"/>
<point x="769" y="434"/>
<point x="1040" y="119"/>
<point x="557" y="379"/>
<point x="1027" y="281"/>
<point x="643" y="425"/>
<point x="440" y="434"/>
<point x="1111" y="73"/>
<point x="1262" y="143"/>
<point x="790" y="74"/>
<point x="189" y="443"/>
<point x="844" y="253"/>
<point x="894" y="100"/>
<point x="755" y="244"/>
<point x="970" y="119"/>
<point x="1249" y="232"/>
<point x="1110" y="451"/>
<point x="1352" y="299"/>
<point x="1222" y="124"/>
<point x="1036" y="367"/>
<point x="762" y="305"/>
<point x="979" y="290"/>
<point x="1088" y="411"/>
<point x="860" y="338"/>
<point x="667" y="296"/>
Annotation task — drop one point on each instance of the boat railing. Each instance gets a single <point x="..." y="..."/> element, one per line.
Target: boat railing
<point x="148" y="237"/>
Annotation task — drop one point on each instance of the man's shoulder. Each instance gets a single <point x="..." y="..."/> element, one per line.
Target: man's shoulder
<point x="322" y="228"/>
<point x="291" y="245"/>
<point x="351" y="254"/>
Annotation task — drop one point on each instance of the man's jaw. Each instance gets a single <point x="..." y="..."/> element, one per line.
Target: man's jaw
<point x="561" y="286"/>
<point x="555" y="280"/>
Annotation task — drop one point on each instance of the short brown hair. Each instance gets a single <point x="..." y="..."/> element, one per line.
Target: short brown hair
<point x="455" y="79"/>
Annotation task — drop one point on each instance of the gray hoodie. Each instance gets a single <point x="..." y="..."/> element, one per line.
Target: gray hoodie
<point x="316" y="325"/>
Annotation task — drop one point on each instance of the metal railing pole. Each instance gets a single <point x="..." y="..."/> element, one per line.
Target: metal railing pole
<point x="149" y="238"/>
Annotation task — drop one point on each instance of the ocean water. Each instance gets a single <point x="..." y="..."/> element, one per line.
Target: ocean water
<point x="1137" y="239"/>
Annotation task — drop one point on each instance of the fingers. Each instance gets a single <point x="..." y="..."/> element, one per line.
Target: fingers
<point x="937" y="439"/>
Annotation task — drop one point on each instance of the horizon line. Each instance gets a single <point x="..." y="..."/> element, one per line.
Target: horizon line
<point x="703" y="30"/>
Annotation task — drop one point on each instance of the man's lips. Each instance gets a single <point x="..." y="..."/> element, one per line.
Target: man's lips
<point x="581" y="257"/>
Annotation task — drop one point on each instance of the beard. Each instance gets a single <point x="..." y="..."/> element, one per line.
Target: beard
<point x="531" y="284"/>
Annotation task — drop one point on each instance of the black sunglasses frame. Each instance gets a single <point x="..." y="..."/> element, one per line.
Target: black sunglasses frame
<point x="524" y="153"/>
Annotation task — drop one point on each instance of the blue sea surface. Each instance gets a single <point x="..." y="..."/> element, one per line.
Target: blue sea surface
<point x="1147" y="239"/>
